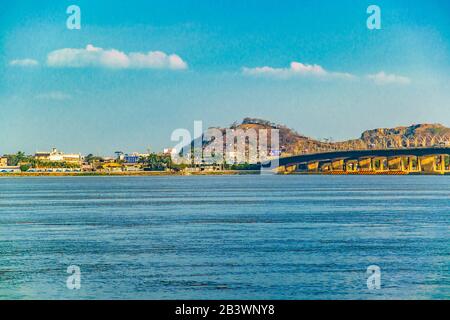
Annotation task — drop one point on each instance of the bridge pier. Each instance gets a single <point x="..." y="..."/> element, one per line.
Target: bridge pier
<point x="413" y="164"/>
<point x="313" y="166"/>
<point x="419" y="164"/>
<point x="351" y="166"/>
<point x="290" y="169"/>
<point x="337" y="165"/>
<point x="280" y="169"/>
<point x="365" y="164"/>
<point x="428" y="164"/>
<point x="286" y="169"/>
<point x="444" y="162"/>
<point x="326" y="167"/>
<point x="379" y="164"/>
<point x="409" y="164"/>
<point x="396" y="164"/>
<point x="441" y="165"/>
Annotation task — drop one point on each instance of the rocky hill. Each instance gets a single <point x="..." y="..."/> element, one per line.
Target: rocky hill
<point x="292" y="142"/>
<point x="415" y="135"/>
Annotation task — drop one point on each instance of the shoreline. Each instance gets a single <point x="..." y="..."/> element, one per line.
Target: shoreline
<point x="207" y="173"/>
<point x="127" y="174"/>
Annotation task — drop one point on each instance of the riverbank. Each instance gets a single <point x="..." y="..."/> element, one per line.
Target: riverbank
<point x="201" y="173"/>
<point x="137" y="173"/>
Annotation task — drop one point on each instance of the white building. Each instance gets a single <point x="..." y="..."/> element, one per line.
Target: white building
<point x="58" y="156"/>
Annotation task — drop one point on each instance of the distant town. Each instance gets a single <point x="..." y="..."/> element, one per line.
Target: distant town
<point x="56" y="161"/>
<point x="59" y="161"/>
<point x="247" y="154"/>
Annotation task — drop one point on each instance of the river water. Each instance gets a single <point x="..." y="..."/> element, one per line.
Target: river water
<point x="225" y="237"/>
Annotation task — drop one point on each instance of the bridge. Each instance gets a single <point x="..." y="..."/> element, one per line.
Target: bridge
<point x="373" y="161"/>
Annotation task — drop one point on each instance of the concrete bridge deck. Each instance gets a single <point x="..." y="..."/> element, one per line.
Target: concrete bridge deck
<point x="426" y="160"/>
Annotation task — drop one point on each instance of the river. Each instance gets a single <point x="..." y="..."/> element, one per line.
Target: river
<point x="225" y="237"/>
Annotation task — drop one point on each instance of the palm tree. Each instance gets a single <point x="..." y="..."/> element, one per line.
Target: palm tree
<point x="17" y="158"/>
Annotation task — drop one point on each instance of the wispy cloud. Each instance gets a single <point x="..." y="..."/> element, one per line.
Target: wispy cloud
<point x="296" y="69"/>
<point x="54" y="95"/>
<point x="111" y="58"/>
<point x="382" y="78"/>
<point x="24" y="63"/>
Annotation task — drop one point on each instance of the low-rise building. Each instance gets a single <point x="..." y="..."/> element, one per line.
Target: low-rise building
<point x="88" y="167"/>
<point x="131" y="158"/>
<point x="58" y="156"/>
<point x="132" y="167"/>
<point x="3" y="161"/>
<point x="134" y="157"/>
<point x="112" y="167"/>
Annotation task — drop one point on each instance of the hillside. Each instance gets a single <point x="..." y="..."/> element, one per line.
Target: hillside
<point x="415" y="135"/>
<point x="291" y="142"/>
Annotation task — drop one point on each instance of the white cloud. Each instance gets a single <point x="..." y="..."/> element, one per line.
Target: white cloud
<point x="382" y="78"/>
<point x="298" y="69"/>
<point x="54" y="95"/>
<point x="24" y="63"/>
<point x="295" y="69"/>
<point x="111" y="58"/>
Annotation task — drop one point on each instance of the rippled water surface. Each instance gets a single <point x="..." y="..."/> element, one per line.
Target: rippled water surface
<point x="225" y="237"/>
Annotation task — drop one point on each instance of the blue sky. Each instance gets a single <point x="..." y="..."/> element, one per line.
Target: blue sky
<point x="120" y="95"/>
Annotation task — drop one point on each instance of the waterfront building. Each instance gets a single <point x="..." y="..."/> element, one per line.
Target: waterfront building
<point x="131" y="167"/>
<point x="88" y="167"/>
<point x="112" y="167"/>
<point x="58" y="156"/>
<point x="3" y="161"/>
<point x="133" y="158"/>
